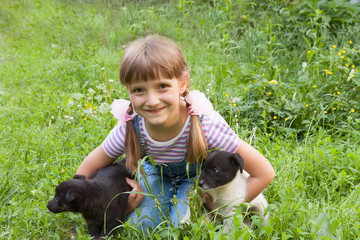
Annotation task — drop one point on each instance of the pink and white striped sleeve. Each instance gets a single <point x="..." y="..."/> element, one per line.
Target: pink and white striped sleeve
<point x="114" y="143"/>
<point x="219" y="134"/>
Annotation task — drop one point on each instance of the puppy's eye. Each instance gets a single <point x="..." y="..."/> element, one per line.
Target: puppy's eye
<point x="214" y="170"/>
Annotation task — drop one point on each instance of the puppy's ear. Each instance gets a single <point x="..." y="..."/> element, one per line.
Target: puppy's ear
<point x="73" y="195"/>
<point x="238" y="160"/>
<point x="78" y="176"/>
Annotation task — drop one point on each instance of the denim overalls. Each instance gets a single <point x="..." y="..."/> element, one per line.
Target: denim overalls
<point x="166" y="187"/>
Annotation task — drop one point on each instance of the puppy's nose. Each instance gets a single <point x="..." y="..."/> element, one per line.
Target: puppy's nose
<point x="201" y="182"/>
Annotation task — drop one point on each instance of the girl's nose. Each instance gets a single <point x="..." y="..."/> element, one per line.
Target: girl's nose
<point x="152" y="98"/>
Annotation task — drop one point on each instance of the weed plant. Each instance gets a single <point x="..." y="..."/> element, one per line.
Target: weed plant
<point x="284" y="74"/>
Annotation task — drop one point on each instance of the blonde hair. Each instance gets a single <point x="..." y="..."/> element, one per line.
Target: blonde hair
<point x="151" y="58"/>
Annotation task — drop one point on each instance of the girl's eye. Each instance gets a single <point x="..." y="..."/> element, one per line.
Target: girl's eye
<point x="162" y="86"/>
<point x="137" y="90"/>
<point x="214" y="170"/>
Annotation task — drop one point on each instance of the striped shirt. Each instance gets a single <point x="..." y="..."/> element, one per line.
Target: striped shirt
<point x="217" y="132"/>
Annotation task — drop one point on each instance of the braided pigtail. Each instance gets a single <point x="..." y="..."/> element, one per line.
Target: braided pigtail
<point x="132" y="145"/>
<point x="197" y="144"/>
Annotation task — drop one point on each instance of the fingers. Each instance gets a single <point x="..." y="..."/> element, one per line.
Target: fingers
<point x="208" y="198"/>
<point x="208" y="202"/>
<point x="134" y="198"/>
<point x="132" y="183"/>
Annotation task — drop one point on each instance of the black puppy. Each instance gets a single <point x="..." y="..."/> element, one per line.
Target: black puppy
<point x="97" y="198"/>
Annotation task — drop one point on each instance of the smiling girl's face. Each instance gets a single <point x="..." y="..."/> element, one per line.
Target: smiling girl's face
<point x="158" y="101"/>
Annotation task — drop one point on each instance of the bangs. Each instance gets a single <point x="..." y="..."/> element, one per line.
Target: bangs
<point x="152" y="58"/>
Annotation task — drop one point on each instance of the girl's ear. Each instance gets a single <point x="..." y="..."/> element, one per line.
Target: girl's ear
<point x="184" y="81"/>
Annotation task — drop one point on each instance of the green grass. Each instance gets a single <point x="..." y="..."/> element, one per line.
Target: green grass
<point x="56" y="60"/>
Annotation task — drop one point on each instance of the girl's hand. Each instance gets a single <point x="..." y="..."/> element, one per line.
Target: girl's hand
<point x="134" y="198"/>
<point x="210" y="206"/>
<point x="208" y="202"/>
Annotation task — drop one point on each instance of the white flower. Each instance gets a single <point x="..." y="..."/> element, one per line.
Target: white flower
<point x="91" y="91"/>
<point x="235" y="100"/>
<point x="351" y="75"/>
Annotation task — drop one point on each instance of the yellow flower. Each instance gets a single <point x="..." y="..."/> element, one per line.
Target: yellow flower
<point x="352" y="110"/>
<point x="334" y="108"/>
<point x="339" y="53"/>
<point x="269" y="93"/>
<point x="234" y="104"/>
<point x="263" y="74"/>
<point x="285" y="119"/>
<point x="275" y="117"/>
<point x="356" y="70"/>
<point x="342" y="57"/>
<point x="353" y="50"/>
<point x="245" y="88"/>
<point x="334" y="46"/>
<point x="338" y="93"/>
<point x="85" y="119"/>
<point x="273" y="82"/>
<point x="226" y="95"/>
<point x="334" y="93"/>
<point x="63" y="171"/>
<point x="343" y="51"/>
<point x="309" y="51"/>
<point x="315" y="86"/>
<point x="307" y="105"/>
<point x="352" y="66"/>
<point x="69" y="100"/>
<point x="346" y="65"/>
<point x="94" y="107"/>
<point x="350" y="42"/>
<point x="325" y="112"/>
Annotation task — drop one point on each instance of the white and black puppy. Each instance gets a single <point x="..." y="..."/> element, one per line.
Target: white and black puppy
<point x="95" y="197"/>
<point x="222" y="176"/>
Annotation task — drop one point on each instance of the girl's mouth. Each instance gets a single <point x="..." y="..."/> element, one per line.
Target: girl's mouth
<point x="154" y="111"/>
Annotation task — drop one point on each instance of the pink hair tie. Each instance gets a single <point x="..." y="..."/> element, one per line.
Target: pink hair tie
<point x="192" y="111"/>
<point x="199" y="104"/>
<point x="119" y="110"/>
<point x="128" y="117"/>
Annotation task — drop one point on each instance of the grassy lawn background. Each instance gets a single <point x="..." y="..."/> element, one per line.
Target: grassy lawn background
<point x="284" y="74"/>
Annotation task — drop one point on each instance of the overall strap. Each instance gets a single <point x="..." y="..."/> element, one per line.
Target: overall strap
<point x="201" y="119"/>
<point x="136" y="122"/>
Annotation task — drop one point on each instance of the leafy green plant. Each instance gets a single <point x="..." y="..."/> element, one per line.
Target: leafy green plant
<point x="284" y="74"/>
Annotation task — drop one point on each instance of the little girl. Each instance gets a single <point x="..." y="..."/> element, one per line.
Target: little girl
<point x="172" y="126"/>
